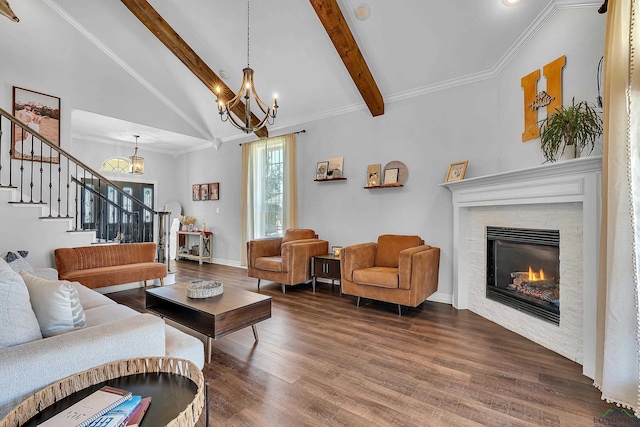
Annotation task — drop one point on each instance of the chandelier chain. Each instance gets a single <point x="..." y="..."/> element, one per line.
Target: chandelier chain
<point x="248" y="34"/>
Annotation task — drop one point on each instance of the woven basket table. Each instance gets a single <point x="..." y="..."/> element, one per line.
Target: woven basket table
<point x="130" y="374"/>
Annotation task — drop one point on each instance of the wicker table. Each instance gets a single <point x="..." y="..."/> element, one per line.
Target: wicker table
<point x="176" y="388"/>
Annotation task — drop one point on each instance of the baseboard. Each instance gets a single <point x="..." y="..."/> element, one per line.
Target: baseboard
<point x="169" y="280"/>
<point x="441" y="297"/>
<point x="229" y="263"/>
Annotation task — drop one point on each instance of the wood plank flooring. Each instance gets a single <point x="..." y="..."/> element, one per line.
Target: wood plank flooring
<point x="323" y="361"/>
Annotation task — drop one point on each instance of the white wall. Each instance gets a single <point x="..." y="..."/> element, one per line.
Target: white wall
<point x="480" y="122"/>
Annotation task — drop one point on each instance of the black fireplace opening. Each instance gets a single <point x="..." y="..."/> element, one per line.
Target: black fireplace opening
<point x="523" y="270"/>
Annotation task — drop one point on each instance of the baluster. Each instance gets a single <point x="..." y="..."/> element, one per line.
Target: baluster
<point x="76" y="219"/>
<point x="50" y="182"/>
<point x="33" y="159"/>
<point x="11" y="142"/>
<point x="59" y="183"/>
<point x="21" y="166"/>
<point x="68" y="184"/>
<point x="41" y="171"/>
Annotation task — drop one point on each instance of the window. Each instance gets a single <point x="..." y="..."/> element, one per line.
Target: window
<point x="269" y="202"/>
<point x="116" y="164"/>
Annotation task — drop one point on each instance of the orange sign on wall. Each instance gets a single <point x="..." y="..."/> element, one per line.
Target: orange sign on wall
<point x="551" y="98"/>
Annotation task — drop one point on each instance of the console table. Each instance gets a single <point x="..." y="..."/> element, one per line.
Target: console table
<point x="205" y="252"/>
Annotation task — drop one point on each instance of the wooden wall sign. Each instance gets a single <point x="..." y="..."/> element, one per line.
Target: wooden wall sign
<point x="551" y="98"/>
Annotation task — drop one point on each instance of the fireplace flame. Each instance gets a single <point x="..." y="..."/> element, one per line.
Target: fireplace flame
<point x="533" y="276"/>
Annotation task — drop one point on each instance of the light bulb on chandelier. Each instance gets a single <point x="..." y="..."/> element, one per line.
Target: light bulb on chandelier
<point x="246" y="93"/>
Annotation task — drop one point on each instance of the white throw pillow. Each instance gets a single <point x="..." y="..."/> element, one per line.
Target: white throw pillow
<point x="17" y="261"/>
<point x="56" y="304"/>
<point x="4" y="266"/>
<point x="18" y="323"/>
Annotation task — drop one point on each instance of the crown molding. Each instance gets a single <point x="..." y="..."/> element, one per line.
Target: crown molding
<point x="126" y="67"/>
<point x="145" y="147"/>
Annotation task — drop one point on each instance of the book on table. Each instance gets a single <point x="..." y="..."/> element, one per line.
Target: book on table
<point x="82" y="413"/>
<point x="118" y="415"/>
<point x="136" y="416"/>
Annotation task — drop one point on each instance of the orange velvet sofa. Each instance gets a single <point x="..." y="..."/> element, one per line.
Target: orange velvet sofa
<point x="106" y="265"/>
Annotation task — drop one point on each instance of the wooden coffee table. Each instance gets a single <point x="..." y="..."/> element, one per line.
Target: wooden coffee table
<point x="214" y="317"/>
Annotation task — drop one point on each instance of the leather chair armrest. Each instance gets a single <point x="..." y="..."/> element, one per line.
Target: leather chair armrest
<point x="423" y="270"/>
<point x="358" y="256"/>
<point x="406" y="264"/>
<point x="262" y="247"/>
<point x="299" y="252"/>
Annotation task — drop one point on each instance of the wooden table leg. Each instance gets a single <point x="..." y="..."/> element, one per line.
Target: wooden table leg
<point x="255" y="332"/>
<point x="313" y="284"/>
<point x="208" y="349"/>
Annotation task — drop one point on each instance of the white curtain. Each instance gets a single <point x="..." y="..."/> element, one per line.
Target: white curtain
<point x="617" y="357"/>
<point x="255" y="163"/>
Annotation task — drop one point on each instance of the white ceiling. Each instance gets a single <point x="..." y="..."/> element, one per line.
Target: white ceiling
<point x="411" y="46"/>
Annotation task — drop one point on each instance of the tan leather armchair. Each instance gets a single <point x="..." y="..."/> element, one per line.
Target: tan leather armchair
<point x="398" y="269"/>
<point x="287" y="259"/>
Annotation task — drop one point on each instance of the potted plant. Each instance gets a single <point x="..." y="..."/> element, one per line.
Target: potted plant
<point x="578" y="125"/>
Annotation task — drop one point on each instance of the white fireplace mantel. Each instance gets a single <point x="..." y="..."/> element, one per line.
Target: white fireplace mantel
<point x="571" y="181"/>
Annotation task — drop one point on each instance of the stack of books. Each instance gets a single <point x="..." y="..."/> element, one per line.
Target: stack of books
<point x="107" y="407"/>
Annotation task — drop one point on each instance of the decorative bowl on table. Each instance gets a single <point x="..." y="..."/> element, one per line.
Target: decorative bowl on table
<point x="204" y="288"/>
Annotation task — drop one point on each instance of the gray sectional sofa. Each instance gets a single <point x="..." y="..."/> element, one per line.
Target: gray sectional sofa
<point x="111" y="332"/>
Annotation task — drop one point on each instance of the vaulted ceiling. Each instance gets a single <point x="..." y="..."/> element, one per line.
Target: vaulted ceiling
<point x="411" y="47"/>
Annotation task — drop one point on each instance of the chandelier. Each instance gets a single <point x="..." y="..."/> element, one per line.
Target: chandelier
<point x="136" y="165"/>
<point x="246" y="92"/>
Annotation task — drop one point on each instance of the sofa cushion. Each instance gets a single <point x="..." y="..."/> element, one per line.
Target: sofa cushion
<point x="183" y="345"/>
<point x="17" y="261"/>
<point x="298" y="234"/>
<point x="18" y="323"/>
<point x="56" y="304"/>
<point x="90" y="299"/>
<point x="269" y="263"/>
<point x="389" y="247"/>
<point x="107" y="313"/>
<point x="117" y="275"/>
<point x="386" y="277"/>
<point x="4" y="266"/>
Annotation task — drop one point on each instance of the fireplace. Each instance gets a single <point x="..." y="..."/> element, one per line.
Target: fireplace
<point x="523" y="270"/>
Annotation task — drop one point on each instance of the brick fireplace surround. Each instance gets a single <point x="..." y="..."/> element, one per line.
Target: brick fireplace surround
<point x="563" y="196"/>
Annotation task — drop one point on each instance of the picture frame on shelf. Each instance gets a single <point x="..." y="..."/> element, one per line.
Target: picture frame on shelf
<point x="321" y="170"/>
<point x="391" y="176"/>
<point x="214" y="191"/>
<point x="334" y="170"/>
<point x="195" y="192"/>
<point x="335" y="250"/>
<point x="204" y="191"/>
<point x="373" y="175"/>
<point x="40" y="112"/>
<point x="456" y="171"/>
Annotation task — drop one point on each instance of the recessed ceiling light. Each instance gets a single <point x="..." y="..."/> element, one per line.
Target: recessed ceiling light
<point x="362" y="11"/>
<point x="224" y="74"/>
<point x="510" y="2"/>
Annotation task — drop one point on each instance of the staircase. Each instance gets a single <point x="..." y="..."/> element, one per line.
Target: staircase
<point x="41" y="203"/>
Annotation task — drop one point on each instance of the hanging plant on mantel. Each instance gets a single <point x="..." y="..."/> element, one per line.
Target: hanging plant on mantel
<point x="577" y="126"/>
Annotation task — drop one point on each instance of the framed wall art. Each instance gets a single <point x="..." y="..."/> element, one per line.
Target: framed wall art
<point x="334" y="170"/>
<point x="321" y="170"/>
<point x="195" y="192"/>
<point x="41" y="113"/>
<point x="391" y="176"/>
<point x="373" y="175"/>
<point x="456" y="171"/>
<point x="204" y="191"/>
<point x="214" y="191"/>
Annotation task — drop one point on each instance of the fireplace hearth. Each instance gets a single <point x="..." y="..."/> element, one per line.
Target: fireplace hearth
<point x="523" y="270"/>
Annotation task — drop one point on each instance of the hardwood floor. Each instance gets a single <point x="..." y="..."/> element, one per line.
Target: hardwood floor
<point x="322" y="361"/>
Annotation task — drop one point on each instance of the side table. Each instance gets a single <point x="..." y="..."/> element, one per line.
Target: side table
<point x="204" y="246"/>
<point x="176" y="386"/>
<point x="325" y="266"/>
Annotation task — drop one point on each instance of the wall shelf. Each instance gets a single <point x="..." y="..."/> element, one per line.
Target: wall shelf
<point x="334" y="179"/>
<point x="384" y="186"/>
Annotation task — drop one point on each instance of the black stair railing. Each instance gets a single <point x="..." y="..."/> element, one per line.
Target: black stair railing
<point x="45" y="174"/>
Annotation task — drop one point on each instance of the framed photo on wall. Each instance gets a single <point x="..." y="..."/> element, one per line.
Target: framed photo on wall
<point x="391" y="176"/>
<point x="214" y="191"/>
<point x="195" y="192"/>
<point x="456" y="171"/>
<point x="373" y="175"/>
<point x="321" y="170"/>
<point x="204" y="191"/>
<point x="41" y="113"/>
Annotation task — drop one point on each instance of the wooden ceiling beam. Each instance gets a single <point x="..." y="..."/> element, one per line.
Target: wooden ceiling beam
<point x="176" y="44"/>
<point x="340" y="34"/>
